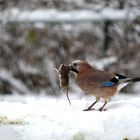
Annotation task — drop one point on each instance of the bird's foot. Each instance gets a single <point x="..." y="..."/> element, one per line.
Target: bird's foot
<point x="88" y="109"/>
<point x="101" y="109"/>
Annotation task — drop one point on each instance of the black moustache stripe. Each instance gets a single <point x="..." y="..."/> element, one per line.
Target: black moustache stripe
<point x="74" y="70"/>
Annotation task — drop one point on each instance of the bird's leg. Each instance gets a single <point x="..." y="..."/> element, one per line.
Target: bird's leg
<point x="90" y="107"/>
<point x="102" y="108"/>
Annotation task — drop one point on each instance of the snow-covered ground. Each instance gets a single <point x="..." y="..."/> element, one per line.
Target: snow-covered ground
<point x="51" y="118"/>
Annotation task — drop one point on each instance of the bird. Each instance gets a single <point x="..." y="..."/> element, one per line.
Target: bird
<point x="99" y="83"/>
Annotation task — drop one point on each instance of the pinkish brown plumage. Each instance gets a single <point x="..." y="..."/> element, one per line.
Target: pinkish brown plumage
<point x="99" y="83"/>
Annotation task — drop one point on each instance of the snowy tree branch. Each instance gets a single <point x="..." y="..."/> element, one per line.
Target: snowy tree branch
<point x="55" y="16"/>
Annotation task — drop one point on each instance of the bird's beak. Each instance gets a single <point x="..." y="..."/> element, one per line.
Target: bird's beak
<point x="71" y="68"/>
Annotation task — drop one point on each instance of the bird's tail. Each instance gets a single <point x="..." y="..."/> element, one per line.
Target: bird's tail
<point x="126" y="81"/>
<point x="131" y="80"/>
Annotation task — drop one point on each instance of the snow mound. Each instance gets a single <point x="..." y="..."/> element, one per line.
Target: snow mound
<point x="53" y="119"/>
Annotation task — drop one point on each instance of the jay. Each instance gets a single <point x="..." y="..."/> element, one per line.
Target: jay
<point x="101" y="84"/>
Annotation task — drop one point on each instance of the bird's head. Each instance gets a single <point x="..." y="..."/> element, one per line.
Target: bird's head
<point x="78" y="66"/>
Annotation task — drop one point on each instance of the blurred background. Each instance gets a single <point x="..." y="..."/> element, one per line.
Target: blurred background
<point x="38" y="35"/>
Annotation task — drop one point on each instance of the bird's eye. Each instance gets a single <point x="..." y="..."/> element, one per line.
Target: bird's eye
<point x="74" y="64"/>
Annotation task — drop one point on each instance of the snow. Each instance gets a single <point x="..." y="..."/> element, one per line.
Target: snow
<point x="27" y="68"/>
<point x="102" y="63"/>
<point x="47" y="118"/>
<point x="57" y="16"/>
<point x="17" y="85"/>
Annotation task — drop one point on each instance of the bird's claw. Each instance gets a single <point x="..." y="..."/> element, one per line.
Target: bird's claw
<point x="89" y="109"/>
<point x="101" y="109"/>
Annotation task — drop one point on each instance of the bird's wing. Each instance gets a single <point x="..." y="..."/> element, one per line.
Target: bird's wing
<point x="106" y="79"/>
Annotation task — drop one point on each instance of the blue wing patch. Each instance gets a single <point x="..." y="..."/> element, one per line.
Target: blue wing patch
<point x="107" y="84"/>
